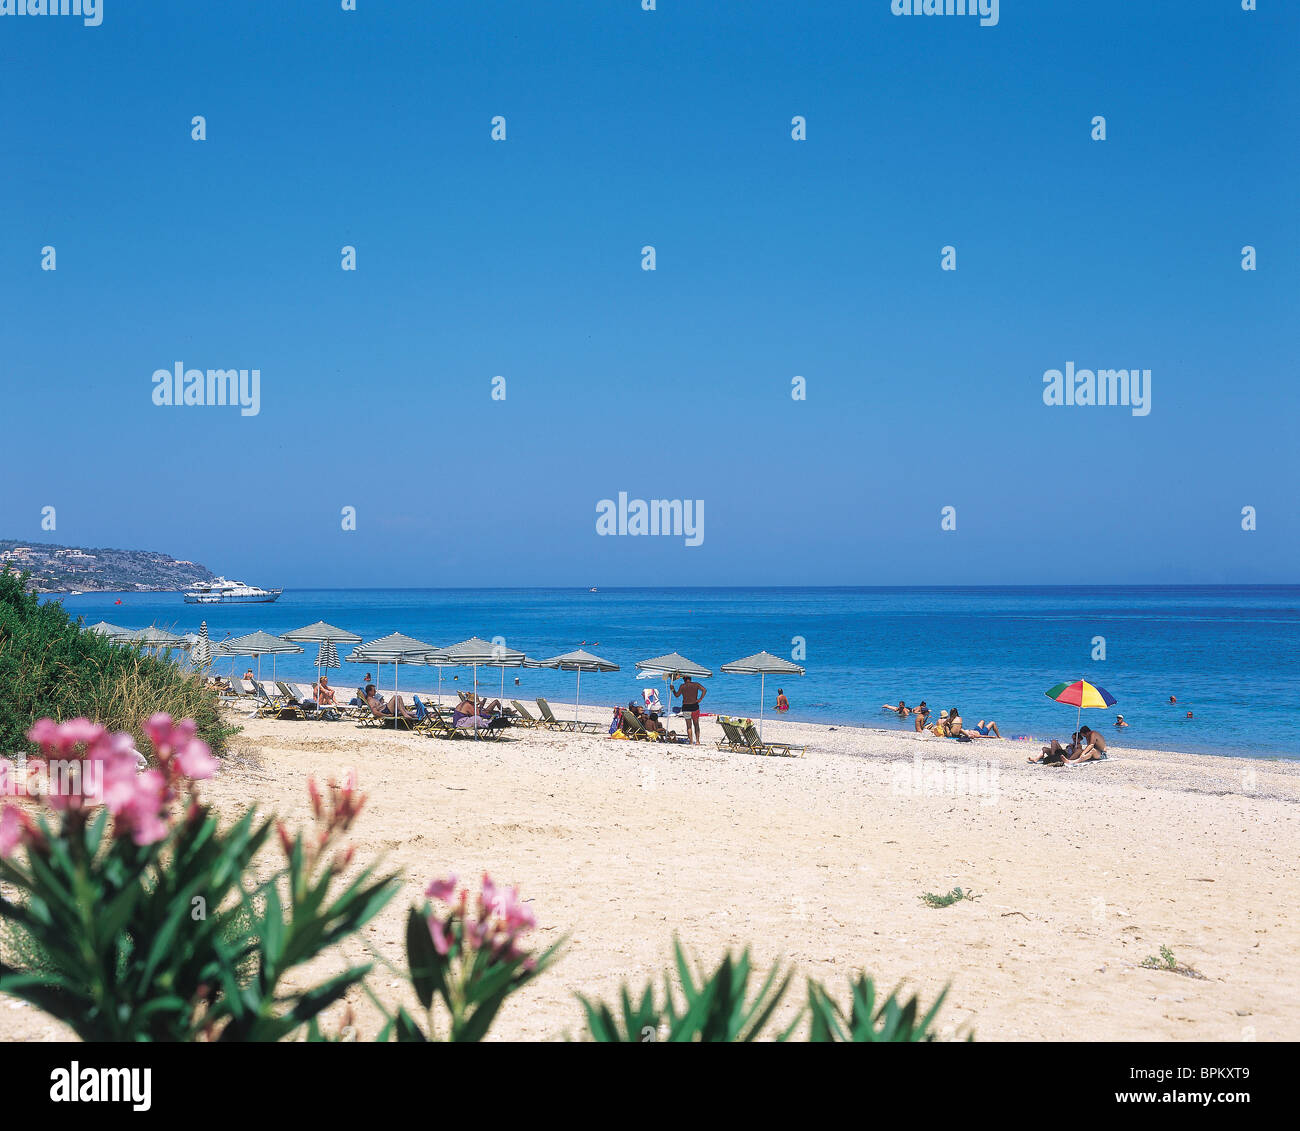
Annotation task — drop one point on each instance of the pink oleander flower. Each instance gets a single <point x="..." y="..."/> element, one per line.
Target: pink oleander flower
<point x="108" y="770"/>
<point x="62" y="738"/>
<point x="168" y="737"/>
<point x="441" y="935"/>
<point x="444" y="890"/>
<point x="142" y="814"/>
<point x="195" y="760"/>
<point x="17" y="829"/>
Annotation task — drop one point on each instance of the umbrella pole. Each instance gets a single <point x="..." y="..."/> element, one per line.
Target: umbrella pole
<point x="577" y="696"/>
<point x="476" y="698"/>
<point x="762" y="698"/>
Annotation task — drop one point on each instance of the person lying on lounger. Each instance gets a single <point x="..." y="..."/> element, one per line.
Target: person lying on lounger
<point x="1092" y="747"/>
<point x="476" y="714"/>
<point x="384" y="710"/>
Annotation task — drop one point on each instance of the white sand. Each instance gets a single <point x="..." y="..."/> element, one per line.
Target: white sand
<point x="1081" y="872"/>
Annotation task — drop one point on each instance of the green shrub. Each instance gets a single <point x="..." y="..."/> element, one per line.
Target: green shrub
<point x="52" y="667"/>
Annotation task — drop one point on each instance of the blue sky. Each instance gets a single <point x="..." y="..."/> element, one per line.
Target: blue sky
<point x="775" y="258"/>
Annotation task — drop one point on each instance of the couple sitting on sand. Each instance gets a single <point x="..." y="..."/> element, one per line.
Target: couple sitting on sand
<point x="1086" y="746"/>
<point x="950" y="726"/>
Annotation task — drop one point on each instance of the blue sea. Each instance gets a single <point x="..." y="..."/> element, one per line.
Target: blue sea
<point x="1231" y="654"/>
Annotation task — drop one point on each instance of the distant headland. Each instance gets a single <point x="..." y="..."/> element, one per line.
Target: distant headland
<point x="66" y="569"/>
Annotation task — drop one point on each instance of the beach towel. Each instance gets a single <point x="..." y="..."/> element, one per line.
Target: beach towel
<point x="650" y="700"/>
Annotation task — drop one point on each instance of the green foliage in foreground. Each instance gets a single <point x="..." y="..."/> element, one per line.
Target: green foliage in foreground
<point x="51" y="666"/>
<point x="719" y="1007"/>
<point x="173" y="941"/>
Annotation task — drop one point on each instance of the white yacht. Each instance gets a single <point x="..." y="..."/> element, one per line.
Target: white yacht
<point x="219" y="591"/>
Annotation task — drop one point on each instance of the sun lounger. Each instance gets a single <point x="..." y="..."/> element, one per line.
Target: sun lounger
<point x="549" y="719"/>
<point x="524" y="719"/>
<point x="429" y="719"/>
<point x="757" y="746"/>
<point x="368" y="717"/>
<point x="273" y="706"/>
<point x="632" y="726"/>
<point x="732" y="738"/>
<point x="459" y="730"/>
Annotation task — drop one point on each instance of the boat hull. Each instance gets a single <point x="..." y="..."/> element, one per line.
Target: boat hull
<point x="222" y="599"/>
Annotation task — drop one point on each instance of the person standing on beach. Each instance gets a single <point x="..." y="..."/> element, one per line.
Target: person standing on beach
<point x="690" y="694"/>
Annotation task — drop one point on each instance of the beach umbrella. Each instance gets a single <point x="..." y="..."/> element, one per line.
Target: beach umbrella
<point x="327" y="659"/>
<point x="321" y="633"/>
<point x="576" y="661"/>
<point x="155" y="638"/>
<point x="667" y="665"/>
<point x="1080" y="694"/>
<point x="396" y="648"/>
<point x="475" y="653"/>
<point x="112" y="631"/>
<point x="762" y="664"/>
<point x="201" y="654"/>
<point x="258" y="644"/>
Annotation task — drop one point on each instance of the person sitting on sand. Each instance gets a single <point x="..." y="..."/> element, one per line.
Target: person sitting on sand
<point x="1056" y="754"/>
<point x="922" y="713"/>
<point x="940" y="729"/>
<point x="782" y="703"/>
<point x="324" y="692"/>
<point x="1119" y="721"/>
<point x="394" y="706"/>
<point x="1093" y="747"/>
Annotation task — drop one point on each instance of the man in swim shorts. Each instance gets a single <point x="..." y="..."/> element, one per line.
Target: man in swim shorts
<point x="690" y="694"/>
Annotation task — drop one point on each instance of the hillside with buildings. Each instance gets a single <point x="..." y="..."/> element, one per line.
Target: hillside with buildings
<point x="63" y="569"/>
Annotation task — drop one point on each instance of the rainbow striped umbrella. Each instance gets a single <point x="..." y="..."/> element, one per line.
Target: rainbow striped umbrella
<point x="1080" y="694"/>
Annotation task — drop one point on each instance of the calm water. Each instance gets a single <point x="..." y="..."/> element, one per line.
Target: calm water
<point x="1230" y="654"/>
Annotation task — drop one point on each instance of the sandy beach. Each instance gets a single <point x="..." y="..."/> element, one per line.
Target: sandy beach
<point x="1081" y="873"/>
